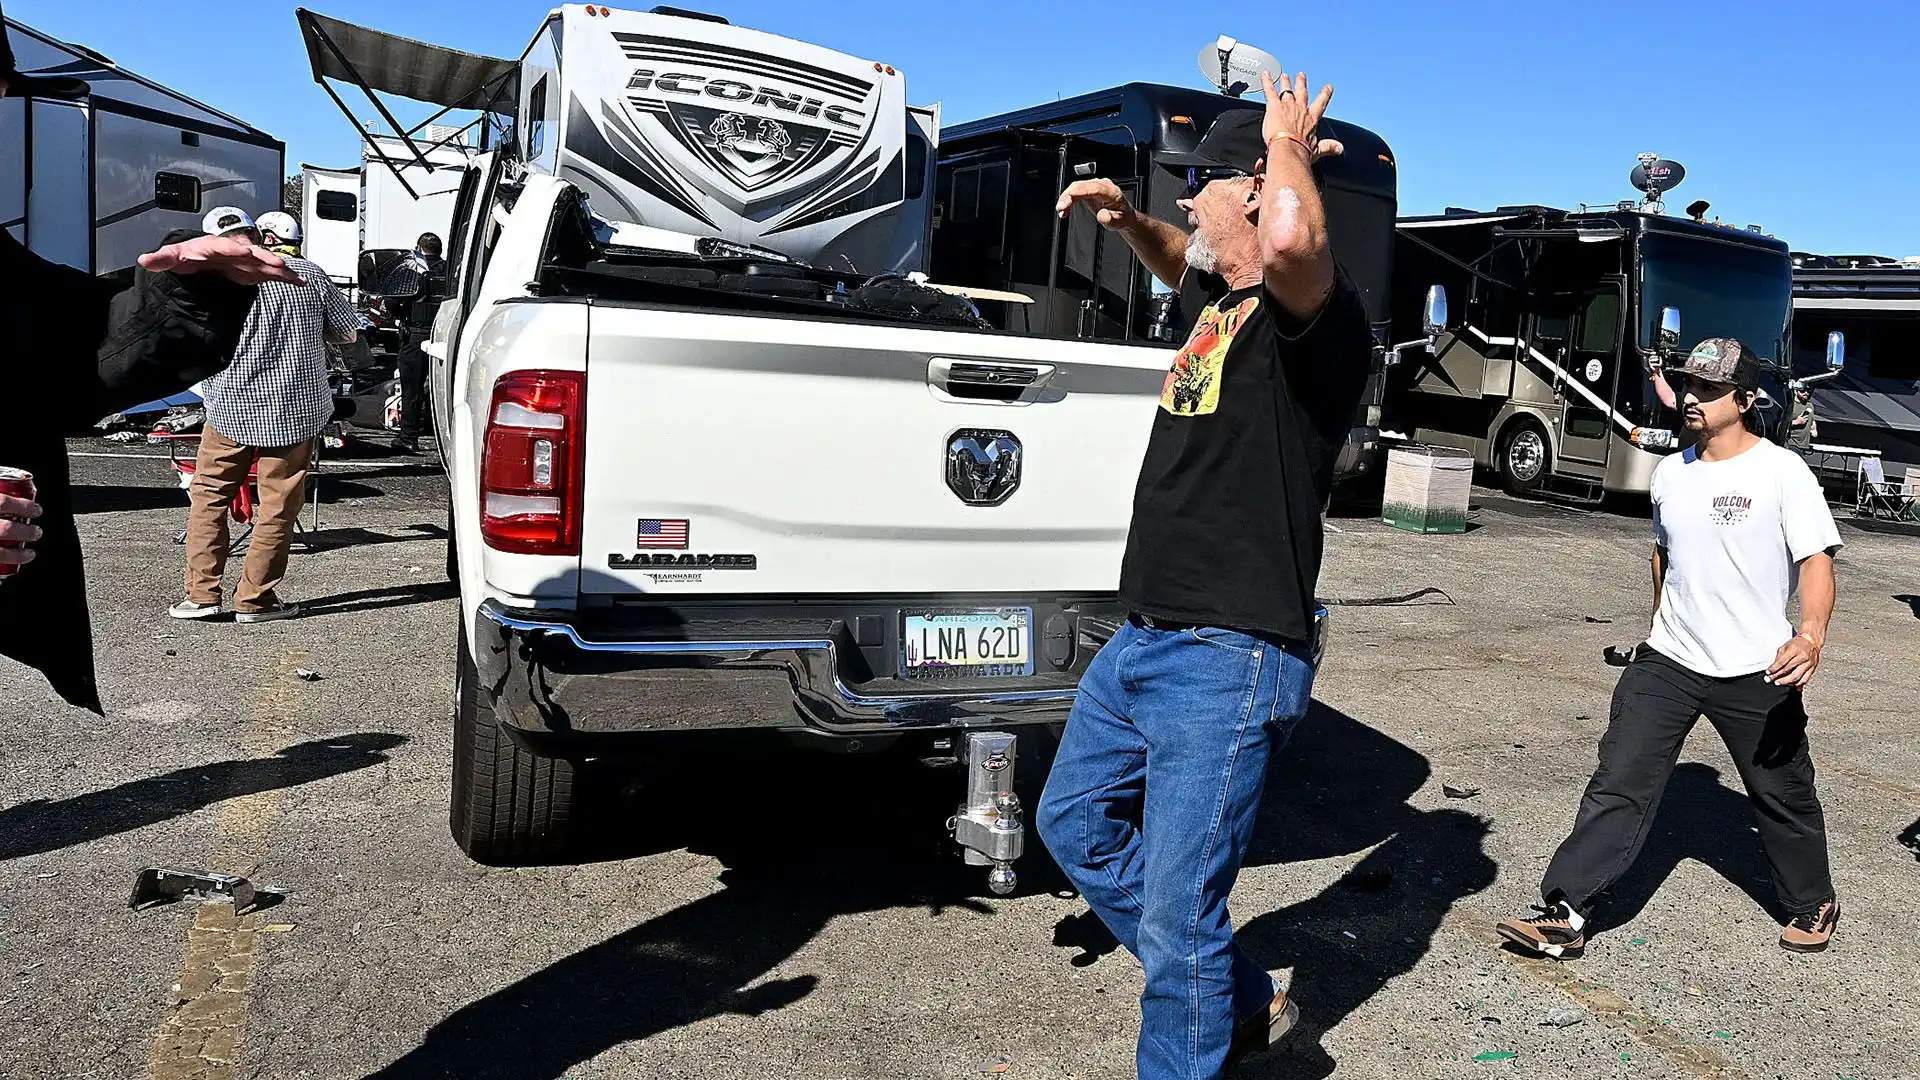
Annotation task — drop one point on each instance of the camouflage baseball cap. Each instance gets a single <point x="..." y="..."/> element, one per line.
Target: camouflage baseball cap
<point x="1723" y="360"/>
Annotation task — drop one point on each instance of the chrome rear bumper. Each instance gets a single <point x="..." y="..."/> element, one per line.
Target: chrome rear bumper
<point x="549" y="679"/>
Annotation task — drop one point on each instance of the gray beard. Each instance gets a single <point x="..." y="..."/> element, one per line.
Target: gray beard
<point x="1200" y="253"/>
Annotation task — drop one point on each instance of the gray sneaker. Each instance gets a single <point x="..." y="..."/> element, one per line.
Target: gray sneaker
<point x="188" y="609"/>
<point x="277" y="611"/>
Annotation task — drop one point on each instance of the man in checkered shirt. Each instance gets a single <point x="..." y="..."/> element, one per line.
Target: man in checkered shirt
<point x="268" y="407"/>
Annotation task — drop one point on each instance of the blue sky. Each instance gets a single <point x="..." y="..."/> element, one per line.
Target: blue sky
<point x="1801" y="117"/>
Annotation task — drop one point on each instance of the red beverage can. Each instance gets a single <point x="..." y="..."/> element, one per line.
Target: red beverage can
<point x="19" y="484"/>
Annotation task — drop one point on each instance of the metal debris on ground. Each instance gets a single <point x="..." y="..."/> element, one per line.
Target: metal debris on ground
<point x="1452" y="792"/>
<point x="307" y="674"/>
<point x="1562" y="1018"/>
<point x="163" y="885"/>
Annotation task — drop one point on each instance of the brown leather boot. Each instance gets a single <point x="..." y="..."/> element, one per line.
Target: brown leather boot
<point x="1812" y="931"/>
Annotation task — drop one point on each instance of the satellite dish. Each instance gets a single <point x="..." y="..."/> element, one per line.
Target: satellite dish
<point x="1234" y="68"/>
<point x="1657" y="175"/>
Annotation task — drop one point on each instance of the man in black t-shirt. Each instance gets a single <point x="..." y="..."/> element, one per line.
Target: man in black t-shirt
<point x="1151" y="802"/>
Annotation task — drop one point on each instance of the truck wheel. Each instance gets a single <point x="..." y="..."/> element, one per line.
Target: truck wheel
<point x="510" y="807"/>
<point x="1526" y="458"/>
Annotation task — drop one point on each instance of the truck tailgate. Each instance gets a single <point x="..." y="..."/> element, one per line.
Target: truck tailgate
<point x="734" y="454"/>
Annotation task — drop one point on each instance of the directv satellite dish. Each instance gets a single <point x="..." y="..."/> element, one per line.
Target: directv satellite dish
<point x="1234" y="68"/>
<point x="1656" y="174"/>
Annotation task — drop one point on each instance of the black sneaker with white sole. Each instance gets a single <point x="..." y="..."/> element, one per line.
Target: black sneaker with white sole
<point x="1551" y="933"/>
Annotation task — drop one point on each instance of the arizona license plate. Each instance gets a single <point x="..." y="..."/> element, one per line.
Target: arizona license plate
<point x="967" y="644"/>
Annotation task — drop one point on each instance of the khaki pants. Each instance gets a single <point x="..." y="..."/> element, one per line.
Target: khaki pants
<point x="217" y="479"/>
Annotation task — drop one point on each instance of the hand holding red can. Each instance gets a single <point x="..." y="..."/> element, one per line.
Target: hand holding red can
<point x="17" y="511"/>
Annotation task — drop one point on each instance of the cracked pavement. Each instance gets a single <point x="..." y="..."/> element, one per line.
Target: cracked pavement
<point x="755" y="911"/>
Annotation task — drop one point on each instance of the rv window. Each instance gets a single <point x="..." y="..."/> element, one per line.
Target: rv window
<point x="336" y="205"/>
<point x="1599" y="331"/>
<point x="537" y="120"/>
<point x="916" y="166"/>
<point x="176" y="191"/>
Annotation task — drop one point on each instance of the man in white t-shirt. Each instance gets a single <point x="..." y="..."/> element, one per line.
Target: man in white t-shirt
<point x="1738" y="524"/>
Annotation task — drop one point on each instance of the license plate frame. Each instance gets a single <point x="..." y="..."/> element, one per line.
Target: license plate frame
<point x="915" y="640"/>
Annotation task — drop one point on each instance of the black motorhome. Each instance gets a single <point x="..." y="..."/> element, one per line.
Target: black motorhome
<point x="1874" y="403"/>
<point x="995" y="227"/>
<point x="1542" y="371"/>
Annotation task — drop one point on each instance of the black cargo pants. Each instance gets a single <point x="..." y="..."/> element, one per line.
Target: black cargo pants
<point x="411" y="368"/>
<point x="1654" y="707"/>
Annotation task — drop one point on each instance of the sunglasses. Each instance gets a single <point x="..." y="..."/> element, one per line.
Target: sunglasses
<point x="1200" y="176"/>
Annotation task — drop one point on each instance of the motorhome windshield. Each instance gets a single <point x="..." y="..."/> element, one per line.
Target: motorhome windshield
<point x="1721" y="289"/>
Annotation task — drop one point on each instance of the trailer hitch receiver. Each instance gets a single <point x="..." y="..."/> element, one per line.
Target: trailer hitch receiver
<point x="988" y="827"/>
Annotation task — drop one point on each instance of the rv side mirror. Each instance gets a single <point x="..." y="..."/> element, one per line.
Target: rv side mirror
<point x="1669" y="328"/>
<point x="1836" y="350"/>
<point x="1435" y="320"/>
<point x="377" y="276"/>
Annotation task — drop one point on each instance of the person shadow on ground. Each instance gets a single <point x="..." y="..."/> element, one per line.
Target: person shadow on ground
<point x="1339" y="788"/>
<point x="788" y="872"/>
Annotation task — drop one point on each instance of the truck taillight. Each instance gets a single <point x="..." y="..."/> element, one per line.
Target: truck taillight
<point x="533" y="465"/>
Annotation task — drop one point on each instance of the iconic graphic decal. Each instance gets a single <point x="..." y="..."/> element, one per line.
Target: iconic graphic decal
<point x="1193" y="385"/>
<point x="773" y="130"/>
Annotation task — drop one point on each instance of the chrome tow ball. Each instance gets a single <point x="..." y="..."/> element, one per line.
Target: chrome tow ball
<point x="988" y="827"/>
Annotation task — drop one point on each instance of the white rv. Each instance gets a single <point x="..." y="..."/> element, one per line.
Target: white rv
<point x="386" y="203"/>
<point x="97" y="182"/>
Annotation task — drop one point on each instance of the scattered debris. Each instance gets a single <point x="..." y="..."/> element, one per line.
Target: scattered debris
<point x="1452" y="792"/>
<point x="277" y="928"/>
<point x="307" y="674"/>
<point x="1496" y="1055"/>
<point x="48" y="874"/>
<point x="1696" y="991"/>
<point x="1638" y="941"/>
<point x="996" y="1067"/>
<point x="1386" y="601"/>
<point x="1351" y="934"/>
<point x="125" y="436"/>
<point x="1583" y="717"/>
<point x="1489" y="1019"/>
<point x="171" y="652"/>
<point x="1596" y="619"/>
<point x="413" y="569"/>
<point x="1562" y="1018"/>
<point x="163" y="885"/>
<point x="1722" y="1035"/>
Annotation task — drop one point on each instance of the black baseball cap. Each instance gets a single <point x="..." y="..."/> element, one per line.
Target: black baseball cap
<point x="1232" y="142"/>
<point x="19" y="85"/>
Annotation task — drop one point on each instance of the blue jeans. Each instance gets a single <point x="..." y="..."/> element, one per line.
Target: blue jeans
<point x="1150" y="809"/>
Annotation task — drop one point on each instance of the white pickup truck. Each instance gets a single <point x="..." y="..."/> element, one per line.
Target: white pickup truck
<point x="681" y="505"/>
<point x="705" y="474"/>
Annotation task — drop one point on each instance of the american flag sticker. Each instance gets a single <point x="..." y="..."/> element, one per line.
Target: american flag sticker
<point x="662" y="533"/>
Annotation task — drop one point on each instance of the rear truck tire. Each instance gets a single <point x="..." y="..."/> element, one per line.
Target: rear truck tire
<point x="509" y="807"/>
<point x="1526" y="458"/>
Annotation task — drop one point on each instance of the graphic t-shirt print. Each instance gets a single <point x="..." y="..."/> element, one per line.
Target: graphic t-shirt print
<point x="1193" y="385"/>
<point x="1731" y="509"/>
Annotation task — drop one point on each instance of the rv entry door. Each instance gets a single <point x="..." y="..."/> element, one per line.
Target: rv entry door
<point x="1590" y="379"/>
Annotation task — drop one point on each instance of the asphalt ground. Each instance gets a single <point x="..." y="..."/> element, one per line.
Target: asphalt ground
<point x="752" y="911"/>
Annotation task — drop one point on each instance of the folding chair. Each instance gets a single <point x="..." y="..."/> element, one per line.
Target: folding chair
<point x="1880" y="498"/>
<point x="183" y="457"/>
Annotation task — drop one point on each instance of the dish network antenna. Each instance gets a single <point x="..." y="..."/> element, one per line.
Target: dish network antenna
<point x="1234" y="68"/>
<point x="1655" y="176"/>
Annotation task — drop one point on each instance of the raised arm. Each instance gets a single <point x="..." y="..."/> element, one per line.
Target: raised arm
<point x="1294" y="255"/>
<point x="1162" y="248"/>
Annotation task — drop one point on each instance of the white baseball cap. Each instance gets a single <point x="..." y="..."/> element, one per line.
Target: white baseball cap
<point x="222" y="220"/>
<point x="280" y="224"/>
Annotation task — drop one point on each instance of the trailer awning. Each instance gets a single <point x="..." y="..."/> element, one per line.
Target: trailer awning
<point x="434" y="74"/>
